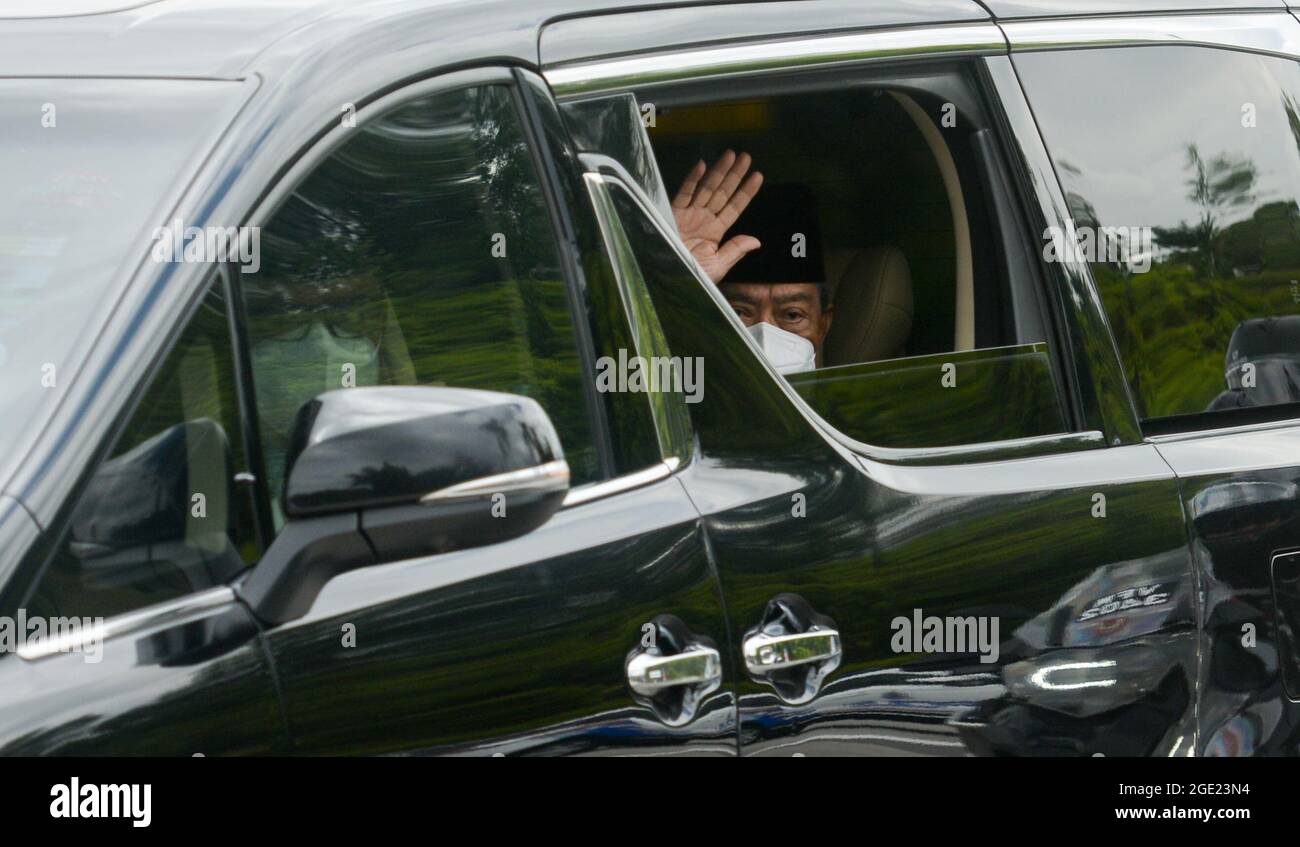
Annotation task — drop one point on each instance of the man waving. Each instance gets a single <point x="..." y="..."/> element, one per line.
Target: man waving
<point x="779" y="292"/>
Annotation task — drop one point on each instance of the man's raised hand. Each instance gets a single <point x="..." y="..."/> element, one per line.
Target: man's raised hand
<point x="708" y="203"/>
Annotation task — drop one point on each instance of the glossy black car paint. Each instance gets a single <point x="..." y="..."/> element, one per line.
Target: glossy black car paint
<point x="520" y="648"/>
<point x="197" y="686"/>
<point x="1243" y="520"/>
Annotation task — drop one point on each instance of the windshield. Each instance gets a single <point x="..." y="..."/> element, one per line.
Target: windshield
<point x="85" y="166"/>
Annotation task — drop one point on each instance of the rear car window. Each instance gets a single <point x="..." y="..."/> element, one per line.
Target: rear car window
<point x="88" y="165"/>
<point x="1186" y="197"/>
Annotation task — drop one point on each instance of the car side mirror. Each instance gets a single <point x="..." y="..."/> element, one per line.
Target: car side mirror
<point x="379" y="474"/>
<point x="136" y="512"/>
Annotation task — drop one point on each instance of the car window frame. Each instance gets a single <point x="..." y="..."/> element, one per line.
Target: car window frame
<point x="987" y="181"/>
<point x="1092" y="422"/>
<point x="662" y="420"/>
<point x="335" y="134"/>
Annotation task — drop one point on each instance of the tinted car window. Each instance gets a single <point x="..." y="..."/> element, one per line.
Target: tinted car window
<point x="1188" y="188"/>
<point x="162" y="516"/>
<point x="419" y="253"/>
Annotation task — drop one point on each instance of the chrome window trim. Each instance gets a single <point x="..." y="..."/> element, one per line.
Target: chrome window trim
<point x="1227" y="453"/>
<point x="137" y="621"/>
<point x="619" y="484"/>
<point x="980" y="452"/>
<point x="754" y="57"/>
<point x="1273" y="33"/>
<point x="1213" y="432"/>
<point x="594" y="77"/>
<point x="1086" y="471"/>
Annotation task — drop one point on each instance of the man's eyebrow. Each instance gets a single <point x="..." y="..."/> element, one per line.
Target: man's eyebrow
<point x="792" y="297"/>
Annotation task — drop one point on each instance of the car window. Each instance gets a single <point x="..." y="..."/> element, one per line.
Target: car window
<point x="419" y="253"/>
<point x="163" y="515"/>
<point x="85" y="163"/>
<point x="873" y="209"/>
<point x="1186" y="196"/>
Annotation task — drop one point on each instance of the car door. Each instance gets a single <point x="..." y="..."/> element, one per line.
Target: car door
<point x="126" y="638"/>
<point x="1210" y="329"/>
<point x="436" y="244"/>
<point x="1030" y="595"/>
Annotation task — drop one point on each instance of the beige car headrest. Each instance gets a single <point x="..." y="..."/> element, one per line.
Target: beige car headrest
<point x="872" y="291"/>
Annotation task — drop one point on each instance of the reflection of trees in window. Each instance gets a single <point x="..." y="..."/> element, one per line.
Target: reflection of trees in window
<point x="1292" y="109"/>
<point x="1217" y="187"/>
<point x="1270" y="238"/>
<point x="398" y="236"/>
<point x="1226" y="225"/>
<point x="512" y="206"/>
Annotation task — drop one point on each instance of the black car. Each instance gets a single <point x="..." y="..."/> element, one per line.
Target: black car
<point x="359" y="396"/>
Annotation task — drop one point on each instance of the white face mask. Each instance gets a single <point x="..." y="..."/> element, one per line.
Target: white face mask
<point x="788" y="353"/>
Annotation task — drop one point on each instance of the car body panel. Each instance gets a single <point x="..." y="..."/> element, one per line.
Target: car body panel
<point x="515" y="648"/>
<point x="1241" y="493"/>
<point x="196" y="682"/>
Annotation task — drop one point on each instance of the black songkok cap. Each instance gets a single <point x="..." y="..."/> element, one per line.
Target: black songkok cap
<point x="774" y="216"/>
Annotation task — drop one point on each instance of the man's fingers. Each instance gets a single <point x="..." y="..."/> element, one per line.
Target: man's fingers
<point x="733" y="251"/>
<point x="734" y="175"/>
<point x="713" y="179"/>
<point x="740" y="199"/>
<point x="687" y="190"/>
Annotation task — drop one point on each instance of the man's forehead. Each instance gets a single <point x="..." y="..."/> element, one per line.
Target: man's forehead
<point x="777" y="292"/>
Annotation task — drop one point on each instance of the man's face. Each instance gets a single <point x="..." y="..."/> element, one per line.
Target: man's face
<point x="792" y="306"/>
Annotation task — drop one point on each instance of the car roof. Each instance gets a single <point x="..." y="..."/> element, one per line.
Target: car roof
<point x="1009" y="9"/>
<point x="230" y="39"/>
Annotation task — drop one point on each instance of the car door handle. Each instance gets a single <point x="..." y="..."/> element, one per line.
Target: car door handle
<point x="767" y="653"/>
<point x="649" y="675"/>
<point x="792" y="648"/>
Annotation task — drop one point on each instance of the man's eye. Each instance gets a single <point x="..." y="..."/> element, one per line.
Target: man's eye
<point x="794" y="315"/>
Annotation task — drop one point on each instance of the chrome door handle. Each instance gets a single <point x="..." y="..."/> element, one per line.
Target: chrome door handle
<point x="767" y="653"/>
<point x="793" y="648"/>
<point x="649" y="675"/>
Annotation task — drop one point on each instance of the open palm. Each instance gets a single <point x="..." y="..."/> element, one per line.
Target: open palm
<point x="708" y="203"/>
